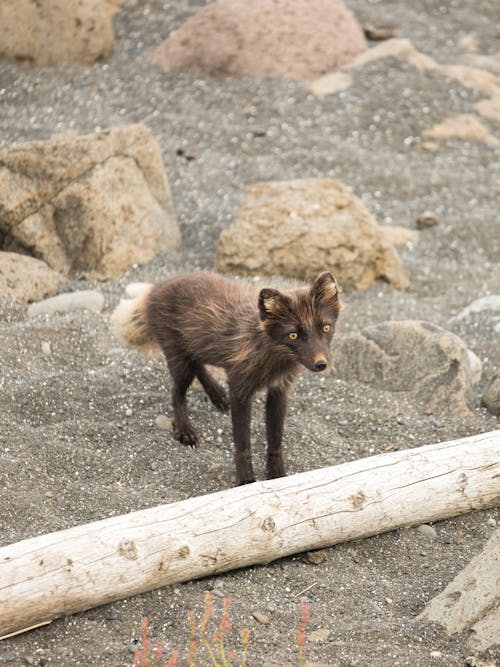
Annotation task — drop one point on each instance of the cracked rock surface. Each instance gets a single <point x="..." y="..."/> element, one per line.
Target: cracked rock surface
<point x="296" y="228"/>
<point x="82" y="203"/>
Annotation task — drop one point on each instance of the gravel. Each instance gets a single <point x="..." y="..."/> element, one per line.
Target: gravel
<point x="70" y="453"/>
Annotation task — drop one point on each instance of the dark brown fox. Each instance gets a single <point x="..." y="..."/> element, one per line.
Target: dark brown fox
<point x="262" y="339"/>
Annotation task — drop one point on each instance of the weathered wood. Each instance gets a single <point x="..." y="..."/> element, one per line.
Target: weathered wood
<point x="82" y="567"/>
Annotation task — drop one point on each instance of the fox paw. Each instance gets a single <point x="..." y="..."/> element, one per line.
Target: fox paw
<point x="186" y="436"/>
<point x="220" y="401"/>
<point x="249" y="480"/>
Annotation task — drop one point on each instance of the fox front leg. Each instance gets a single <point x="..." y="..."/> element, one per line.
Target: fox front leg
<point x="276" y="405"/>
<point x="241" y="409"/>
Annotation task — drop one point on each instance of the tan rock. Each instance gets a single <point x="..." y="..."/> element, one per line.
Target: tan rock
<point x="330" y="84"/>
<point x="267" y="38"/>
<point x="91" y="204"/>
<point x="319" y="635"/>
<point x="466" y="127"/>
<point x="481" y="75"/>
<point x="59" y="31"/>
<point x="300" y="228"/>
<point x="24" y="278"/>
<point x="399" y="235"/>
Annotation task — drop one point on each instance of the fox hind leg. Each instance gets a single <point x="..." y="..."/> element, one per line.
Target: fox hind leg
<point x="215" y="391"/>
<point x="182" y="371"/>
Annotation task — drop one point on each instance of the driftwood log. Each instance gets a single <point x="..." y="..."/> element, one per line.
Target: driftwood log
<point x="75" y="569"/>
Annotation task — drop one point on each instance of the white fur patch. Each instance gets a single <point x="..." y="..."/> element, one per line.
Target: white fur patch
<point x="133" y="290"/>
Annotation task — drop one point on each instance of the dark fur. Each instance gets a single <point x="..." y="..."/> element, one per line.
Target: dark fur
<point x="203" y="318"/>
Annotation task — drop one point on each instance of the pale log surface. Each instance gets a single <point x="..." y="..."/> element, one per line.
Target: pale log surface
<point x="86" y="566"/>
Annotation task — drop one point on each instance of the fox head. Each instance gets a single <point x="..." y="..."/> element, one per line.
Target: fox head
<point x="302" y="322"/>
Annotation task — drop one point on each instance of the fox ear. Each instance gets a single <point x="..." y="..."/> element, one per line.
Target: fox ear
<point x="272" y="304"/>
<point x="325" y="289"/>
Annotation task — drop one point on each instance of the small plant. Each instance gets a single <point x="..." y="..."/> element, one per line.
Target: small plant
<point x="149" y="657"/>
<point x="211" y="642"/>
<point x="215" y="645"/>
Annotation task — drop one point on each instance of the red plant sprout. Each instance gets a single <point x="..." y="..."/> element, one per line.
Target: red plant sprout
<point x="192" y="640"/>
<point x="173" y="659"/>
<point x="245" y="642"/>
<point x="205" y="619"/>
<point x="144" y="657"/>
<point x="214" y="643"/>
<point x="300" y="633"/>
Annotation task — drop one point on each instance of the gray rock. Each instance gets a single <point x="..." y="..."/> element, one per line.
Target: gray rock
<point x="68" y="302"/>
<point x="163" y="423"/>
<point x="93" y="204"/>
<point x="491" y="396"/>
<point x="427" y="531"/>
<point x="25" y="278"/>
<point x="468" y="602"/>
<point x="297" y="228"/>
<point x="490" y="302"/>
<point x="420" y="358"/>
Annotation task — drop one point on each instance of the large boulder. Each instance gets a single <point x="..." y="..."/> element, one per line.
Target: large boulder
<point x="58" y="31"/>
<point x="300" y="228"/>
<point x="24" y="278"/>
<point x="429" y="364"/>
<point x="91" y="205"/>
<point x="491" y="396"/>
<point x="302" y="39"/>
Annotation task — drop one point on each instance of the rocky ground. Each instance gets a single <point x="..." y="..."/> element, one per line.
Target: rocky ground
<point x="78" y="431"/>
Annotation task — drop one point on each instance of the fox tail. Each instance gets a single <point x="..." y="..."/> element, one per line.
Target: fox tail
<point x="129" y="323"/>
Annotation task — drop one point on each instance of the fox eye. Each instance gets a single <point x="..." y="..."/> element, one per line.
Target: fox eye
<point x="293" y="335"/>
<point x="326" y="328"/>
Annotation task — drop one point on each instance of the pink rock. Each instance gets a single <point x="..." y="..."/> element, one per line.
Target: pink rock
<point x="296" y="39"/>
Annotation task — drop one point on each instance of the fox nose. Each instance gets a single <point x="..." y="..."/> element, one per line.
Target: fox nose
<point x="320" y="365"/>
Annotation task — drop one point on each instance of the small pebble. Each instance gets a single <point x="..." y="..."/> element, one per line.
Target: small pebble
<point x="8" y="656"/>
<point x="163" y="423"/>
<point x="46" y="348"/>
<point x="113" y="616"/>
<point x="491" y="522"/>
<point x="402" y="420"/>
<point x="316" y="557"/>
<point x="260" y="617"/>
<point x="319" y="635"/>
<point x="129" y="412"/>
<point x="428" y="147"/>
<point x="427" y="219"/>
<point x="427" y="531"/>
<point x="29" y="659"/>
<point x="154" y="465"/>
<point x="378" y="33"/>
